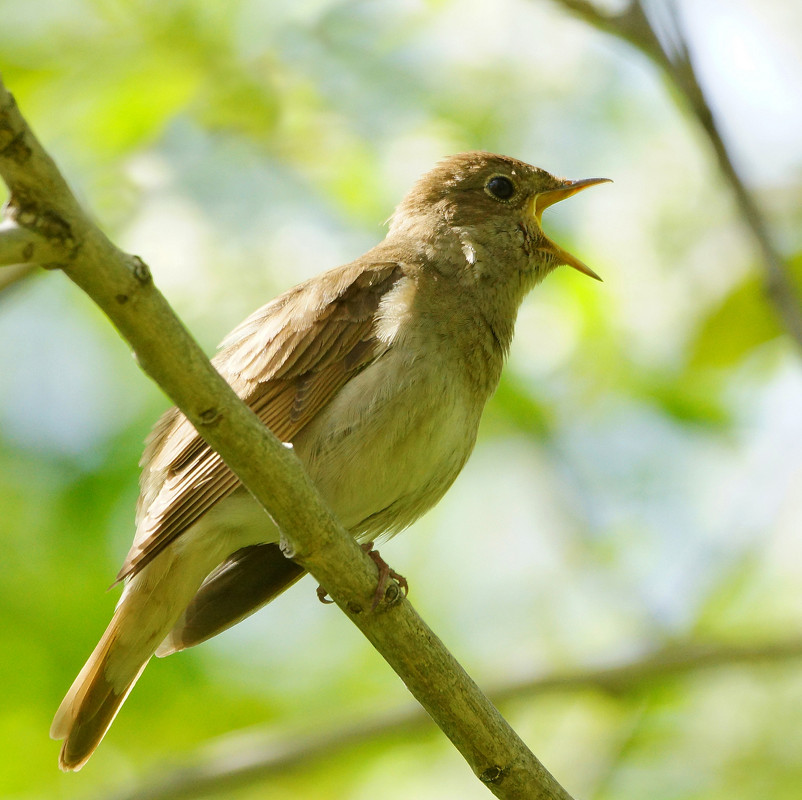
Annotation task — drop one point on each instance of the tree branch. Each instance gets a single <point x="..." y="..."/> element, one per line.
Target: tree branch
<point x="14" y="274"/>
<point x="664" y="42"/>
<point x="21" y="246"/>
<point x="122" y="286"/>
<point x="241" y="759"/>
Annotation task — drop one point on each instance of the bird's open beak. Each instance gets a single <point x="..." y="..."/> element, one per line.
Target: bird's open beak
<point x="545" y="199"/>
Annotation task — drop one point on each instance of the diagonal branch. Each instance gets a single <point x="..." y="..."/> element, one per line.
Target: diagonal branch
<point x="664" y="41"/>
<point x="240" y="759"/>
<point x="122" y="286"/>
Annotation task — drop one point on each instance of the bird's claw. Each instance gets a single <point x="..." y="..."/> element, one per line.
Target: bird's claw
<point x="385" y="573"/>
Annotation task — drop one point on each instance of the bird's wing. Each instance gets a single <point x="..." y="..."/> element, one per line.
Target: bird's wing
<point x="247" y="580"/>
<point x="286" y="361"/>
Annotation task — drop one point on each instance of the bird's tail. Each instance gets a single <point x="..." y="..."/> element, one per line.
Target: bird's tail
<point x="148" y="609"/>
<point x="89" y="707"/>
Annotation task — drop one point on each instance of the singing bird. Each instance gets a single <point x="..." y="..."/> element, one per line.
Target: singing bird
<point x="376" y="372"/>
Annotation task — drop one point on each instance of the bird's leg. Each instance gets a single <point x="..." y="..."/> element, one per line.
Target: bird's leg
<point x="385" y="573"/>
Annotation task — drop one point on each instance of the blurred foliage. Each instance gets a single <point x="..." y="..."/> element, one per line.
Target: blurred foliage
<point x="638" y="477"/>
<point x="741" y="322"/>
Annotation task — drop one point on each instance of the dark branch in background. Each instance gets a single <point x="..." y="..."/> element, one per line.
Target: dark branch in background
<point x="663" y="40"/>
<point x="45" y="224"/>
<point x="245" y="758"/>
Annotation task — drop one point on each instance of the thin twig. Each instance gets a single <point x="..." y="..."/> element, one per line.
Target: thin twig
<point x="248" y="757"/>
<point x="666" y="44"/>
<point x="122" y="286"/>
<point x="20" y="246"/>
<point x="14" y="274"/>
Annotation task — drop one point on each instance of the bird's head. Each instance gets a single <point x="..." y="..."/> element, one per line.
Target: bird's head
<point x="493" y="204"/>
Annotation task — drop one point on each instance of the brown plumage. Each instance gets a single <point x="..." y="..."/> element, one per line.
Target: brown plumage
<point x="377" y="373"/>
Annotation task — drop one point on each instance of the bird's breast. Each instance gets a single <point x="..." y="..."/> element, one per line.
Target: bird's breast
<point x="391" y="441"/>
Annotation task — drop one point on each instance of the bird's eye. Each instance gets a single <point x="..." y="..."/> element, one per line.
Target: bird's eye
<point x="500" y="187"/>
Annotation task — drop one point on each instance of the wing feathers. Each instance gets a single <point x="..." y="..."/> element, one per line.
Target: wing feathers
<point x="241" y="585"/>
<point x="286" y="361"/>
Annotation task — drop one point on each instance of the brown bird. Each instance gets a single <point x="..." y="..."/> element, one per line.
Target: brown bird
<point x="376" y="372"/>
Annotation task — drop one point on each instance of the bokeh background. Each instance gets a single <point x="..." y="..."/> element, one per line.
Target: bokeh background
<point x="635" y="499"/>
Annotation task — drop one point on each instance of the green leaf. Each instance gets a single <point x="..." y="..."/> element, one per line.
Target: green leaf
<point x="743" y="321"/>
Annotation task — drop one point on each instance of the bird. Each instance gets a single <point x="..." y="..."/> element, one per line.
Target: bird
<point x="376" y="373"/>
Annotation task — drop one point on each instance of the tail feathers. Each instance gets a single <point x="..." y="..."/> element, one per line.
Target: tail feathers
<point x="92" y="702"/>
<point x="147" y="610"/>
<point x="151" y="604"/>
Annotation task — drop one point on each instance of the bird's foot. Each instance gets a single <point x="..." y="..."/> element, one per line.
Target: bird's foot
<point x="385" y="573"/>
<point x="323" y="595"/>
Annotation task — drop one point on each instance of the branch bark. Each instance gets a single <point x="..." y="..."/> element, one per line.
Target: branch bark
<point x="665" y="44"/>
<point x="241" y="759"/>
<point x="46" y="224"/>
